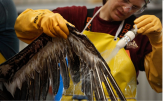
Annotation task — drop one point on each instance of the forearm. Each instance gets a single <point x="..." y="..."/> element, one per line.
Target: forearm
<point x="153" y="66"/>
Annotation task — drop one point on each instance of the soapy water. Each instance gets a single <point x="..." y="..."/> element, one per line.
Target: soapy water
<point x="112" y="54"/>
<point x="123" y="43"/>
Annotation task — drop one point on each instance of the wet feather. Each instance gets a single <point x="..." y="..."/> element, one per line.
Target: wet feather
<point x="36" y="86"/>
<point x="39" y="57"/>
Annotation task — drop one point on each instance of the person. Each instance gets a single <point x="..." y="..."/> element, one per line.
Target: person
<point x="110" y="21"/>
<point x="9" y="43"/>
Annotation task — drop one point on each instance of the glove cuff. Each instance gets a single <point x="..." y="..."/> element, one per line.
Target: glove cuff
<point x="156" y="39"/>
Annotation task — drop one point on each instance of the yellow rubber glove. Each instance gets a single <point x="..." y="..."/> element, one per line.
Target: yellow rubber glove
<point x="32" y="23"/>
<point x="151" y="26"/>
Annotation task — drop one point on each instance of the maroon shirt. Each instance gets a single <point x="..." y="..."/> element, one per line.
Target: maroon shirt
<point x="138" y="48"/>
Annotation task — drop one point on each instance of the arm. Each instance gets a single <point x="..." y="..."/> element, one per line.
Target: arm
<point x="32" y="23"/>
<point x="151" y="26"/>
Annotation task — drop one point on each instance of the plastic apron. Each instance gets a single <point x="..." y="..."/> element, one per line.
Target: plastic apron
<point x="2" y="58"/>
<point x="121" y="66"/>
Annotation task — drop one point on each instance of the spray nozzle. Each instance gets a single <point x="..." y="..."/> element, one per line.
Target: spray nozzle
<point x="134" y="30"/>
<point x="129" y="36"/>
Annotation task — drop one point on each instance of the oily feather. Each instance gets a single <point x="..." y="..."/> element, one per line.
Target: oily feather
<point x="44" y="60"/>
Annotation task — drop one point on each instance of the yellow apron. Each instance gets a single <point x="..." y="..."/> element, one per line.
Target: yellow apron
<point x="2" y="59"/>
<point x="121" y="67"/>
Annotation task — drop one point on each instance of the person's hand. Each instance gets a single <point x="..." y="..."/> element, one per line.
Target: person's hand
<point x="151" y="26"/>
<point x="30" y="24"/>
<point x="53" y="24"/>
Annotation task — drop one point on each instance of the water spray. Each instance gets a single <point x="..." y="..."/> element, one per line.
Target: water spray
<point x="129" y="36"/>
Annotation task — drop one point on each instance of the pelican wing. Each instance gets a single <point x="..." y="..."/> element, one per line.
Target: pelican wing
<point x="28" y="74"/>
